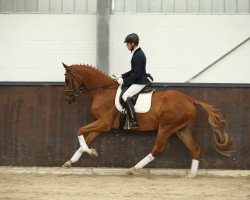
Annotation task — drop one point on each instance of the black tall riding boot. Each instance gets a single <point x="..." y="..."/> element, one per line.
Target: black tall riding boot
<point x="131" y="114"/>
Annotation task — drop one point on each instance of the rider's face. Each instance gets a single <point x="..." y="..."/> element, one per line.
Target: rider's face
<point x="130" y="46"/>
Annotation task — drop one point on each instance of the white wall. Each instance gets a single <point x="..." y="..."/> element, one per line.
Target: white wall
<point x="33" y="46"/>
<point x="179" y="46"/>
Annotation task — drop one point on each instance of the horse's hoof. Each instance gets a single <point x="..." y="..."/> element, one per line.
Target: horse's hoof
<point x="67" y="164"/>
<point x="191" y="176"/>
<point x="131" y="171"/>
<point x="93" y="152"/>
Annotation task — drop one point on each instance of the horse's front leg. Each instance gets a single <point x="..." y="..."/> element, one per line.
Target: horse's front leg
<point x="94" y="128"/>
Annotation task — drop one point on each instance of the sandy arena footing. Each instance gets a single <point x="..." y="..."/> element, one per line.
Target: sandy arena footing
<point x="121" y="171"/>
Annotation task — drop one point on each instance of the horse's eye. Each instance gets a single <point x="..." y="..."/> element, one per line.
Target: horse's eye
<point x="67" y="81"/>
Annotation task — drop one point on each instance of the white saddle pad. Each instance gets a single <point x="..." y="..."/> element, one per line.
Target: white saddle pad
<point x="143" y="102"/>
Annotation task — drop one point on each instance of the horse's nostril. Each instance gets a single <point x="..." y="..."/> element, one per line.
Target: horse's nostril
<point x="70" y="99"/>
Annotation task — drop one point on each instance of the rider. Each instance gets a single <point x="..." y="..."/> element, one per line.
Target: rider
<point x="136" y="78"/>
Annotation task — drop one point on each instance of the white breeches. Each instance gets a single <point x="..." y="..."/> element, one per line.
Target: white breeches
<point x="132" y="90"/>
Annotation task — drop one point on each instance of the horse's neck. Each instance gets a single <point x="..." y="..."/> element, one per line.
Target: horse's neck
<point x="93" y="78"/>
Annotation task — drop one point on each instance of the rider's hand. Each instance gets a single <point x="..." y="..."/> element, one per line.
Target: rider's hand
<point x="120" y="80"/>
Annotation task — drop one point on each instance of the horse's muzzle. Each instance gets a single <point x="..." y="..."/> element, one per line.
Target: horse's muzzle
<point x="70" y="98"/>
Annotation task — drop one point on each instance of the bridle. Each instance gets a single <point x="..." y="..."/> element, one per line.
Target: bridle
<point x="74" y="78"/>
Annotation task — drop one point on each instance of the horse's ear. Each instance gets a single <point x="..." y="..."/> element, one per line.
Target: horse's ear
<point x="65" y="66"/>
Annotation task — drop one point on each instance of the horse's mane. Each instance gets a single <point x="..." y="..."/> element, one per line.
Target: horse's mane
<point x="93" y="68"/>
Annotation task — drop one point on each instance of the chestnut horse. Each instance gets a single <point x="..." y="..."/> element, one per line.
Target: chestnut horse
<point x="171" y="112"/>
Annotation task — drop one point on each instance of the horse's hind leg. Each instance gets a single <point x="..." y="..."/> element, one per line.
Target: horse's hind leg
<point x="163" y="134"/>
<point x="185" y="135"/>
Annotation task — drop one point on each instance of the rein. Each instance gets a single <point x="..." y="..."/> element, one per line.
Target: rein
<point x="101" y="86"/>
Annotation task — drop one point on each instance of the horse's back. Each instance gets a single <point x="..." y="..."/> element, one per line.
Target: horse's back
<point x="173" y="96"/>
<point x="173" y="101"/>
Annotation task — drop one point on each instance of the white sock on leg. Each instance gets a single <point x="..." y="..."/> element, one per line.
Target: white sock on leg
<point x="194" y="168"/>
<point x="77" y="155"/>
<point x="83" y="144"/>
<point x="144" y="161"/>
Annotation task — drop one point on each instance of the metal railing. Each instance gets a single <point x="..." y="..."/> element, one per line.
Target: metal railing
<point x="217" y="60"/>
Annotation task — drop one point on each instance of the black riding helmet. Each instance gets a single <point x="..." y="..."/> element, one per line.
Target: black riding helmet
<point x="132" y="38"/>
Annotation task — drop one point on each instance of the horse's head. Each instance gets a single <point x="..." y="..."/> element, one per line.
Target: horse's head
<point x="73" y="86"/>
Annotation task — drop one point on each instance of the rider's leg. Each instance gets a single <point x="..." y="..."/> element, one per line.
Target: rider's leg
<point x="131" y="113"/>
<point x="131" y="91"/>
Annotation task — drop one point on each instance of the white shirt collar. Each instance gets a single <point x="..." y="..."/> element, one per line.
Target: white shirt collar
<point x="135" y="50"/>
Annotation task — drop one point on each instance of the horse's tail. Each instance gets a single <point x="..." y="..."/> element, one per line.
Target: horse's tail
<point x="222" y="141"/>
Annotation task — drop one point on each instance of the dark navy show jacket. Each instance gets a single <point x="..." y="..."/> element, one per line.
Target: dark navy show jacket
<point x="137" y="74"/>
